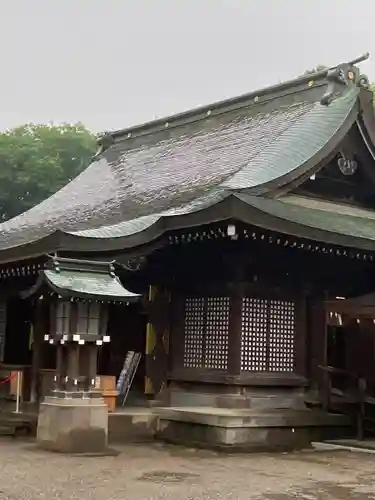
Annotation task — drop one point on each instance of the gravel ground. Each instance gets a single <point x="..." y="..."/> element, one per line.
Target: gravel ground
<point x="142" y="472"/>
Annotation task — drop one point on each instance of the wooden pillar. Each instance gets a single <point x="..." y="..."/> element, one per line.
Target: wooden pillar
<point x="60" y="361"/>
<point x="92" y="361"/>
<point x="88" y="361"/>
<point x="317" y="339"/>
<point x="301" y="361"/>
<point x="157" y="342"/>
<point x="234" y="340"/>
<point x="72" y="371"/>
<point x="61" y="366"/>
<point x="38" y="345"/>
<point x="177" y="331"/>
<point x="235" y="317"/>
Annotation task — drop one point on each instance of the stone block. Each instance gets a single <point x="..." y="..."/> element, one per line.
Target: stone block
<point x="71" y="425"/>
<point x="132" y="426"/>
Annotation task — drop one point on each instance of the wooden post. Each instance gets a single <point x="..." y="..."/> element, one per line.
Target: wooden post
<point x="61" y="367"/>
<point x="235" y="317"/>
<point x="318" y="341"/>
<point x="301" y="337"/>
<point x="89" y="361"/>
<point x="361" y="408"/>
<point x="38" y="344"/>
<point x="73" y="366"/>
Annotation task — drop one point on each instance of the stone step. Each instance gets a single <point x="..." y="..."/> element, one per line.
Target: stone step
<point x="6" y="430"/>
<point x="15" y="424"/>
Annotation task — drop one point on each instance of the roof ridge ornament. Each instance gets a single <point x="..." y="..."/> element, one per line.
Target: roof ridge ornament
<point x="343" y="76"/>
<point x="104" y="141"/>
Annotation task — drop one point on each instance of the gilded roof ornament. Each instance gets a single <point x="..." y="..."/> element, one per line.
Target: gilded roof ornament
<point x="343" y="76"/>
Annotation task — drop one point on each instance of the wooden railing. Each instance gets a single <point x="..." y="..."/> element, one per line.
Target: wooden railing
<point x="351" y="388"/>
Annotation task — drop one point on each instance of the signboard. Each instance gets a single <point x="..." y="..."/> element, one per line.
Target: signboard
<point x="128" y="371"/>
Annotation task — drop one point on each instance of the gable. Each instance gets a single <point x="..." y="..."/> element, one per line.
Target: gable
<point x="348" y="177"/>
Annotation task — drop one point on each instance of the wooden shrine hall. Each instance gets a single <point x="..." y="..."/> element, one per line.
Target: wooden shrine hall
<point x="215" y="243"/>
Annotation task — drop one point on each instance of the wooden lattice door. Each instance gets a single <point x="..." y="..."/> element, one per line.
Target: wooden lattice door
<point x="206" y="332"/>
<point x="268" y="335"/>
<point x="157" y="340"/>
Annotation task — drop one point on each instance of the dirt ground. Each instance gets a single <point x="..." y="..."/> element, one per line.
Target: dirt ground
<point x="143" y="472"/>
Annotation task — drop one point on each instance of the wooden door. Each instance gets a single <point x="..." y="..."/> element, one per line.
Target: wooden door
<point x="157" y="340"/>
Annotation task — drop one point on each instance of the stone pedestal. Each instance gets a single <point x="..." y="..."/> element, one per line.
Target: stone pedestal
<point x="73" y="423"/>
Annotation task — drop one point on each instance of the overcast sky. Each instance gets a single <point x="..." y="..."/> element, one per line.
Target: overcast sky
<point x="117" y="63"/>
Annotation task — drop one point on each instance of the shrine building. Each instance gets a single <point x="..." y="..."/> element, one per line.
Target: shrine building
<point x="233" y="246"/>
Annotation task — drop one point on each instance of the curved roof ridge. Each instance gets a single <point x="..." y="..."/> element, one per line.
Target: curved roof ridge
<point x="294" y="84"/>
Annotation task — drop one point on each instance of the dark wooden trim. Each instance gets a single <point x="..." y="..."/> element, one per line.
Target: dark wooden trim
<point x="41" y="308"/>
<point x="245" y="378"/>
<point x="256" y="289"/>
<point x="301" y="336"/>
<point x="103" y="319"/>
<point x="52" y="315"/>
<point x="234" y="333"/>
<point x="73" y="320"/>
<point x="177" y="337"/>
<point x="317" y="338"/>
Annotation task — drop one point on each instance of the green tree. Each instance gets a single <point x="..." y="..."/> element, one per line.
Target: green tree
<point x="37" y="160"/>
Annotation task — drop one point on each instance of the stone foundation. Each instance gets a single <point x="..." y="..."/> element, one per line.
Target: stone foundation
<point x="131" y="425"/>
<point x="236" y="396"/>
<point x="71" y="424"/>
<point x="250" y="430"/>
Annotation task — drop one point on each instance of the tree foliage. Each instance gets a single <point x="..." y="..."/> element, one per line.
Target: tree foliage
<point x="37" y="160"/>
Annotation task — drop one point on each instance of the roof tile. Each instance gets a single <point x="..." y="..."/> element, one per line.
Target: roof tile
<point x="182" y="169"/>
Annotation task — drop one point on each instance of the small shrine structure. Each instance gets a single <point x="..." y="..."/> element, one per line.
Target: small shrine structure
<point x="73" y="417"/>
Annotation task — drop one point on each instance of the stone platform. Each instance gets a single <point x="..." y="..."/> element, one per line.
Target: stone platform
<point x="131" y="424"/>
<point x="230" y="429"/>
<point x="251" y="430"/>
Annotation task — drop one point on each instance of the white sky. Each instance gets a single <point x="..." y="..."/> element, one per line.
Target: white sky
<point x="116" y="63"/>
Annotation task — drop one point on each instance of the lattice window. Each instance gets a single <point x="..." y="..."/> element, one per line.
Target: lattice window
<point x="217" y="329"/>
<point x="282" y="328"/>
<point x="206" y="332"/>
<point x="3" y="325"/>
<point x="88" y="318"/>
<point x="63" y="317"/>
<point x="194" y="332"/>
<point x="254" y="334"/>
<point x="268" y="335"/>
